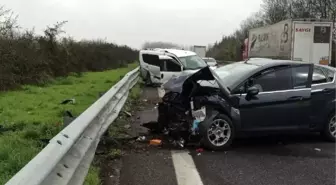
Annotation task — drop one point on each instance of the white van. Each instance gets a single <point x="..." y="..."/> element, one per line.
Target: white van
<point x="157" y="66"/>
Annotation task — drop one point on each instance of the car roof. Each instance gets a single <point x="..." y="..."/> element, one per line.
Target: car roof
<point x="266" y="62"/>
<point x="178" y="52"/>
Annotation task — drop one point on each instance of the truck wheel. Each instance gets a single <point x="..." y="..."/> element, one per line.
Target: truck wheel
<point x="330" y="128"/>
<point x="218" y="133"/>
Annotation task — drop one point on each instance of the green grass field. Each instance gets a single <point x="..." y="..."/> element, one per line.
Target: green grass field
<point x="34" y="113"/>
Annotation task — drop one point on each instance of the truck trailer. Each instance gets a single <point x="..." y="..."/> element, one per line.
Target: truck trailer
<point x="308" y="40"/>
<point x="200" y="50"/>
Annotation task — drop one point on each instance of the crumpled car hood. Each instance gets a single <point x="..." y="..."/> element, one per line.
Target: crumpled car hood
<point x="180" y="83"/>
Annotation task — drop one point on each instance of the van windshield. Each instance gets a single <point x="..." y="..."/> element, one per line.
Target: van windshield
<point x="192" y="62"/>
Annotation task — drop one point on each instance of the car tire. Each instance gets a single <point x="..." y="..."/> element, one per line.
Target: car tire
<point x="329" y="132"/>
<point x="208" y="133"/>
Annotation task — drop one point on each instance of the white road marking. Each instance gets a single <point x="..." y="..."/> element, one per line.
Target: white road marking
<point x="185" y="169"/>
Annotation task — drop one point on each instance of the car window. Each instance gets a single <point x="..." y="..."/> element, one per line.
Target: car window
<point x="171" y="66"/>
<point x="151" y="59"/>
<point x="331" y="75"/>
<point x="276" y="80"/>
<point x="193" y="62"/>
<point x="300" y="76"/>
<point x="319" y="76"/>
<point x="233" y="72"/>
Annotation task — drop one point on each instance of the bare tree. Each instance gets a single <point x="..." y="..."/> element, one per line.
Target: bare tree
<point x="8" y="23"/>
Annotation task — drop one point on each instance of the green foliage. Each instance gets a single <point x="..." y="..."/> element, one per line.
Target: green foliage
<point x="27" y="58"/>
<point x="92" y="177"/>
<point x="34" y="113"/>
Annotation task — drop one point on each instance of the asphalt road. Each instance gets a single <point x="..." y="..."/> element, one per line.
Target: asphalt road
<point x="300" y="160"/>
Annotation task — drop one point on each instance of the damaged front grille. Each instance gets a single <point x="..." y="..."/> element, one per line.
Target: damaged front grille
<point x="174" y="115"/>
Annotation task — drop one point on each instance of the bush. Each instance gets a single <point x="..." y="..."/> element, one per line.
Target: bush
<point x="27" y="58"/>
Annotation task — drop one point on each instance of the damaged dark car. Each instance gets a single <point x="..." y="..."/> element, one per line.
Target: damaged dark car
<point x="254" y="96"/>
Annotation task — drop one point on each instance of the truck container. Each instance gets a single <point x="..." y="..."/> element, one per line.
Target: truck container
<point x="308" y="40"/>
<point x="200" y="51"/>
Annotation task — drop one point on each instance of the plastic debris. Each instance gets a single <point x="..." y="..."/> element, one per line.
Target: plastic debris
<point x="155" y="142"/>
<point x="144" y="100"/>
<point x="127" y="126"/>
<point x="317" y="149"/>
<point x="195" y="127"/>
<point x="141" y="138"/>
<point x="199" y="154"/>
<point x="199" y="150"/>
<point x="72" y="101"/>
<point x="128" y="114"/>
<point x="179" y="143"/>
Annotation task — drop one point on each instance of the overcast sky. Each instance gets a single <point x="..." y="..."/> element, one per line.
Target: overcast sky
<point x="132" y="22"/>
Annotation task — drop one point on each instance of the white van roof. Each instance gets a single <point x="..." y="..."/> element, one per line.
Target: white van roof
<point x="178" y="52"/>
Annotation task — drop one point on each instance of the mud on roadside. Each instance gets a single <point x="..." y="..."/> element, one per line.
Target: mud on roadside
<point x="120" y="139"/>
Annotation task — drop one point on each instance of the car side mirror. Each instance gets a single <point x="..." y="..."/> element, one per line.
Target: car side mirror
<point x="252" y="91"/>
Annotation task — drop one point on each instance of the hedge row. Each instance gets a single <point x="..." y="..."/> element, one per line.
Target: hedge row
<point x="26" y="58"/>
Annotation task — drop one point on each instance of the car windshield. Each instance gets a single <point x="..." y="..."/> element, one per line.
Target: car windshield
<point x="230" y="73"/>
<point x="210" y="60"/>
<point x="193" y="62"/>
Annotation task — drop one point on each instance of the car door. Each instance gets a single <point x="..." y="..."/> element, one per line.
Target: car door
<point x="149" y="60"/>
<point x="276" y="105"/>
<point x="323" y="91"/>
<point x="170" y="68"/>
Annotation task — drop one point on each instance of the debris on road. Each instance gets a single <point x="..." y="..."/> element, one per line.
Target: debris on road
<point x="67" y="118"/>
<point x="141" y="138"/>
<point x="127" y="126"/>
<point x="199" y="150"/>
<point x="72" y="101"/>
<point x="128" y="114"/>
<point x="155" y="142"/>
<point x="145" y="100"/>
<point x="317" y="149"/>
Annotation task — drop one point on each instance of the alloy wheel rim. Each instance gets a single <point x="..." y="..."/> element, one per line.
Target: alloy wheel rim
<point x="332" y="126"/>
<point x="219" y="132"/>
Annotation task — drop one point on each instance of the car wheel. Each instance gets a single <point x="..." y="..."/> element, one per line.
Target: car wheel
<point x="330" y="128"/>
<point x="218" y="133"/>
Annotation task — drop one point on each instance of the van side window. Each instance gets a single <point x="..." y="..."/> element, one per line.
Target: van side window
<point x="172" y="66"/>
<point x="151" y="59"/>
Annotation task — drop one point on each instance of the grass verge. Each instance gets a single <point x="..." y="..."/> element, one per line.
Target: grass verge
<point x="31" y="116"/>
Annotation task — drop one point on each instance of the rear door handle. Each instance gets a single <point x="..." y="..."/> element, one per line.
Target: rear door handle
<point x="297" y="98"/>
<point x="327" y="90"/>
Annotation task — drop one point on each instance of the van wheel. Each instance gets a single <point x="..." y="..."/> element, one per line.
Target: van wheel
<point x="218" y="133"/>
<point x="148" y="80"/>
<point x="330" y="128"/>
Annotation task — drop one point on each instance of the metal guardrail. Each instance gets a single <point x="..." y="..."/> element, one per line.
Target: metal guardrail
<point x="67" y="157"/>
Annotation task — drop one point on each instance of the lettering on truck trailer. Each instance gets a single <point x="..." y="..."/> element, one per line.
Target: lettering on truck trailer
<point x="302" y="29"/>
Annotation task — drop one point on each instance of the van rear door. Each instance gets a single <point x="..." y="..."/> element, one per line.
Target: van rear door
<point x="150" y="61"/>
<point x="321" y="52"/>
<point x="312" y="42"/>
